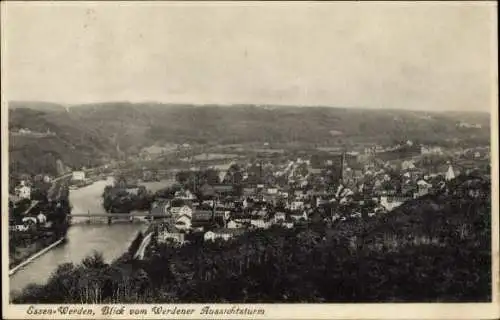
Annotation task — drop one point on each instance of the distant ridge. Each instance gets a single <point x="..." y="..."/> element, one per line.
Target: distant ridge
<point x="52" y="106"/>
<point x="91" y="131"/>
<point x="37" y="105"/>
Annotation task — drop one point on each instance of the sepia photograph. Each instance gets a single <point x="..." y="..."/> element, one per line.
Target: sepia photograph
<point x="249" y="159"/>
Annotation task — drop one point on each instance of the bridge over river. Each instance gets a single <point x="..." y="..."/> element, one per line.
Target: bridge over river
<point x="111" y="240"/>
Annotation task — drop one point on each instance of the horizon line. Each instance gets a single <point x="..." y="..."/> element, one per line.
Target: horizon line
<point x="240" y="104"/>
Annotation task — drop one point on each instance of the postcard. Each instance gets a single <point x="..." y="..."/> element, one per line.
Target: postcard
<point x="250" y="160"/>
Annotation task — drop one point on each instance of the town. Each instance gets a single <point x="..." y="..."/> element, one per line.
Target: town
<point x="273" y="189"/>
<point x="292" y="192"/>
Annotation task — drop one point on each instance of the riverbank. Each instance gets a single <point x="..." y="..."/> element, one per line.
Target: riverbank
<point x="82" y="240"/>
<point x="34" y="256"/>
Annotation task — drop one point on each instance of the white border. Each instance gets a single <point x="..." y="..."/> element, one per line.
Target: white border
<point x="279" y="311"/>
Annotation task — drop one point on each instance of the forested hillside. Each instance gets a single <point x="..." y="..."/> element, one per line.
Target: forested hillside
<point x="90" y="132"/>
<point x="429" y="250"/>
<point x="71" y="141"/>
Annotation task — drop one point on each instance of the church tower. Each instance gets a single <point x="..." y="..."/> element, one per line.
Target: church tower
<point x="450" y="174"/>
<point x="342" y="168"/>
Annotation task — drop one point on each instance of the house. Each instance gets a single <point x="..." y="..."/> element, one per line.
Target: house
<point x="78" y="176"/>
<point x="172" y="234"/>
<point x="270" y="199"/>
<point x="422" y="188"/>
<point x="233" y="224"/>
<point x="203" y="215"/>
<point x="288" y="224"/>
<point x="160" y="208"/>
<point x="315" y="171"/>
<point x="207" y="191"/>
<point x="249" y="192"/>
<point x="21" y="227"/>
<point x="297" y="205"/>
<point x="284" y="194"/>
<point x="224" y="190"/>
<point x="24" y="191"/>
<point x="390" y="203"/>
<point x="260" y="212"/>
<point x="260" y="223"/>
<point x="179" y="205"/>
<point x="14" y="199"/>
<point x="431" y="150"/>
<point x="29" y="221"/>
<point x="272" y="191"/>
<point x="222" y="233"/>
<point x="183" y="222"/>
<point x="202" y="219"/>
<point x="407" y="164"/>
<point x="181" y="210"/>
<point x="296" y="216"/>
<point x="132" y="190"/>
<point x="279" y="216"/>
<point x="299" y="194"/>
<point x="322" y="201"/>
<point x="42" y="219"/>
<point x="184" y="195"/>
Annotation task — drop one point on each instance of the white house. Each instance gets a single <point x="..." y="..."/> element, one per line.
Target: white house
<point x="407" y="164"/>
<point x="24" y="191"/>
<point x="222" y="233"/>
<point x="174" y="235"/>
<point x="431" y="150"/>
<point x="272" y="190"/>
<point x="234" y="224"/>
<point x="390" y="203"/>
<point x="29" y="221"/>
<point x="183" y="222"/>
<point x="42" y="219"/>
<point x="184" y="195"/>
<point x="78" y="176"/>
<point x="288" y="225"/>
<point x="297" y="205"/>
<point x="423" y="188"/>
<point x="182" y="210"/>
<point x="260" y="223"/>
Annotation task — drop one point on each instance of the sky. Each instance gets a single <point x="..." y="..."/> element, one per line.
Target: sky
<point x="404" y="55"/>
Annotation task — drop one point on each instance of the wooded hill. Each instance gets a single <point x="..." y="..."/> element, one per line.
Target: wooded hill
<point x="93" y="131"/>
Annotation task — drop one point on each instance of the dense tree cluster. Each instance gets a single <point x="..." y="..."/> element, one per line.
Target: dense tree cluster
<point x="117" y="199"/>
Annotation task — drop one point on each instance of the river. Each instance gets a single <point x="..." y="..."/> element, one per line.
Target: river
<point x="111" y="240"/>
